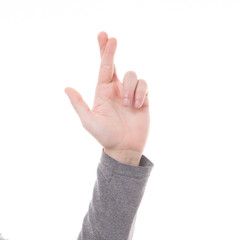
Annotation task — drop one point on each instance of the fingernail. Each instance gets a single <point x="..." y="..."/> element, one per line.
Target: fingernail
<point x="126" y="101"/>
<point x="137" y="103"/>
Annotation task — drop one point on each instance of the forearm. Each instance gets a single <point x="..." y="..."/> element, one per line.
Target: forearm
<point x="117" y="194"/>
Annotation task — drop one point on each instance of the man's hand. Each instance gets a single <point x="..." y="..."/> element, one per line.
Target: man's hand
<point x="119" y="125"/>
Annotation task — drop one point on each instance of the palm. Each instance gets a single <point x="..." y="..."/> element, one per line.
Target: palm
<point x="114" y="125"/>
<point x="117" y="126"/>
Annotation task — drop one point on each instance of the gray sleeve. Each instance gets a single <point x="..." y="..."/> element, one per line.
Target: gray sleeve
<point x="117" y="194"/>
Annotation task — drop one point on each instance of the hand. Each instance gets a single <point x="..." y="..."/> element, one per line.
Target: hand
<point x="122" y="129"/>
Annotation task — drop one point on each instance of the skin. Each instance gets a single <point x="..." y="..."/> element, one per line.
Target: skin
<point x="122" y="129"/>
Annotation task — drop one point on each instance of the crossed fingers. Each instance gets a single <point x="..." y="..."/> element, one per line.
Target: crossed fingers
<point x="134" y="90"/>
<point x="107" y="67"/>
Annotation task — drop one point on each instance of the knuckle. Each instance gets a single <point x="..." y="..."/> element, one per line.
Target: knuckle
<point x="128" y="94"/>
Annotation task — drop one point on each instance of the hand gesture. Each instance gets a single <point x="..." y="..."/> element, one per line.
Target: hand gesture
<point x="119" y="119"/>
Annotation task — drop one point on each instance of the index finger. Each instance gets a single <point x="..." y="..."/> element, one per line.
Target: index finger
<point x="107" y="62"/>
<point x="102" y="42"/>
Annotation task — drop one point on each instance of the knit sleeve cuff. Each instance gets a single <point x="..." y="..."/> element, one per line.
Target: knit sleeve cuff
<point x="142" y="171"/>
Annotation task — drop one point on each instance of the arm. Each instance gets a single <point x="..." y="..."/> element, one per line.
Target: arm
<point x="121" y="126"/>
<point x="117" y="194"/>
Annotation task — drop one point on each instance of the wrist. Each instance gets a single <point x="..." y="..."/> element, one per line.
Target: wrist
<point x="129" y="157"/>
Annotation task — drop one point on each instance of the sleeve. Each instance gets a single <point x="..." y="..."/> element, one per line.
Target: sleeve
<point x="117" y="194"/>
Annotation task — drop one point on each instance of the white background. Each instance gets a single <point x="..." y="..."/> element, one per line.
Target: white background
<point x="189" y="54"/>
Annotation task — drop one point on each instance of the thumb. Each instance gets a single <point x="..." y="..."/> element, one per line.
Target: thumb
<point x="79" y="105"/>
